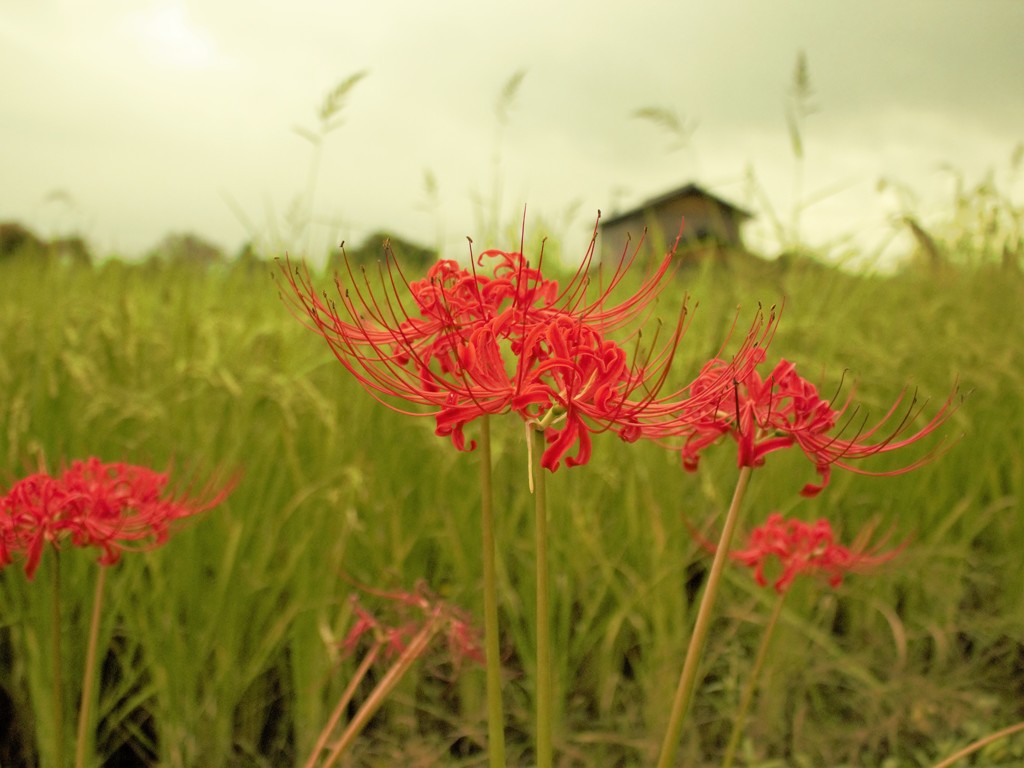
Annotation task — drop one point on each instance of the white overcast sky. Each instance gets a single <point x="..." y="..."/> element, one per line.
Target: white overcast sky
<point x="129" y="119"/>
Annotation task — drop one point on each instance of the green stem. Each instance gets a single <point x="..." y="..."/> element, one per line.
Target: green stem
<point x="387" y="683"/>
<point x="58" y="677"/>
<point x="343" y="702"/>
<point x="492" y="646"/>
<point x="85" y="709"/>
<point x="544" y="757"/>
<point x="688" y="678"/>
<point x="979" y="744"/>
<point x="751" y="686"/>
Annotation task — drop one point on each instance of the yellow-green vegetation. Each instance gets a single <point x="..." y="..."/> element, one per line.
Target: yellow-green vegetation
<point x="222" y="648"/>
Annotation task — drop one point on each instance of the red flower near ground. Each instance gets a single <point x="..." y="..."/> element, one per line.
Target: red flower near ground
<point x="499" y="337"/>
<point x="803" y="549"/>
<point x="112" y="507"/>
<point x="410" y="613"/>
<point x="783" y="409"/>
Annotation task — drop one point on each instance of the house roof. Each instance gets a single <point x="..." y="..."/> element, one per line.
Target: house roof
<point x="687" y="190"/>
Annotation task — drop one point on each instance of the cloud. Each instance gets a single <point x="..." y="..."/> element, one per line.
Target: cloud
<point x="179" y="104"/>
<point x="166" y="36"/>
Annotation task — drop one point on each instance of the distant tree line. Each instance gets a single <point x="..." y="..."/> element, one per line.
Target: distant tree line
<point x="17" y="240"/>
<point x="381" y="246"/>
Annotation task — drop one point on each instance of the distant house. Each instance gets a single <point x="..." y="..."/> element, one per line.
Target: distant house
<point x="712" y="225"/>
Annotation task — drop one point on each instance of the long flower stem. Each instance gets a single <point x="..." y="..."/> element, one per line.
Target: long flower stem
<point x="751" y="686"/>
<point x="492" y="646"/>
<point x="543" y="689"/>
<point x="339" y="709"/>
<point x="981" y="743"/>
<point x="387" y="683"/>
<point x="58" y="677"/>
<point x="688" y="678"/>
<point x="88" y="679"/>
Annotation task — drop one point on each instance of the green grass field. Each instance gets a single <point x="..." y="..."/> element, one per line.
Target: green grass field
<point x="222" y="648"/>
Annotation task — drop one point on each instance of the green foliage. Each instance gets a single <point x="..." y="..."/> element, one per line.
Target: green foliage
<point x="186" y="247"/>
<point x="679" y="128"/>
<point x="508" y="95"/>
<point x="223" y="647"/>
<point x="302" y="230"/>
<point x="380" y="247"/>
<point x="18" y="241"/>
<point x="980" y="226"/>
<point x="800" y="105"/>
<point x="329" y="113"/>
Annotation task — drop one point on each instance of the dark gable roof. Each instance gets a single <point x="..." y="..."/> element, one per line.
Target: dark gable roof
<point x="687" y="190"/>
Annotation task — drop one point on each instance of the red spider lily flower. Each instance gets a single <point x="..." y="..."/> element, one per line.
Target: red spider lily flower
<point x="783" y="409"/>
<point x="571" y="380"/>
<point x="33" y="514"/>
<point x="464" y="641"/>
<point x="805" y="549"/>
<point x="112" y="507"/>
<point x="499" y="337"/>
<point x="410" y="613"/>
<point x="365" y="623"/>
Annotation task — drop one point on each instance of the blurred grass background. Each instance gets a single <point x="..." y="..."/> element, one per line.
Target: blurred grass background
<point x="222" y="647"/>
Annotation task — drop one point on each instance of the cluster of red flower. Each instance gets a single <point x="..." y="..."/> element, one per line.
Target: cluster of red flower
<point x="92" y="504"/>
<point x="498" y="337"/>
<point x="412" y="611"/>
<point x="783" y="409"/>
<point x="808" y="549"/>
